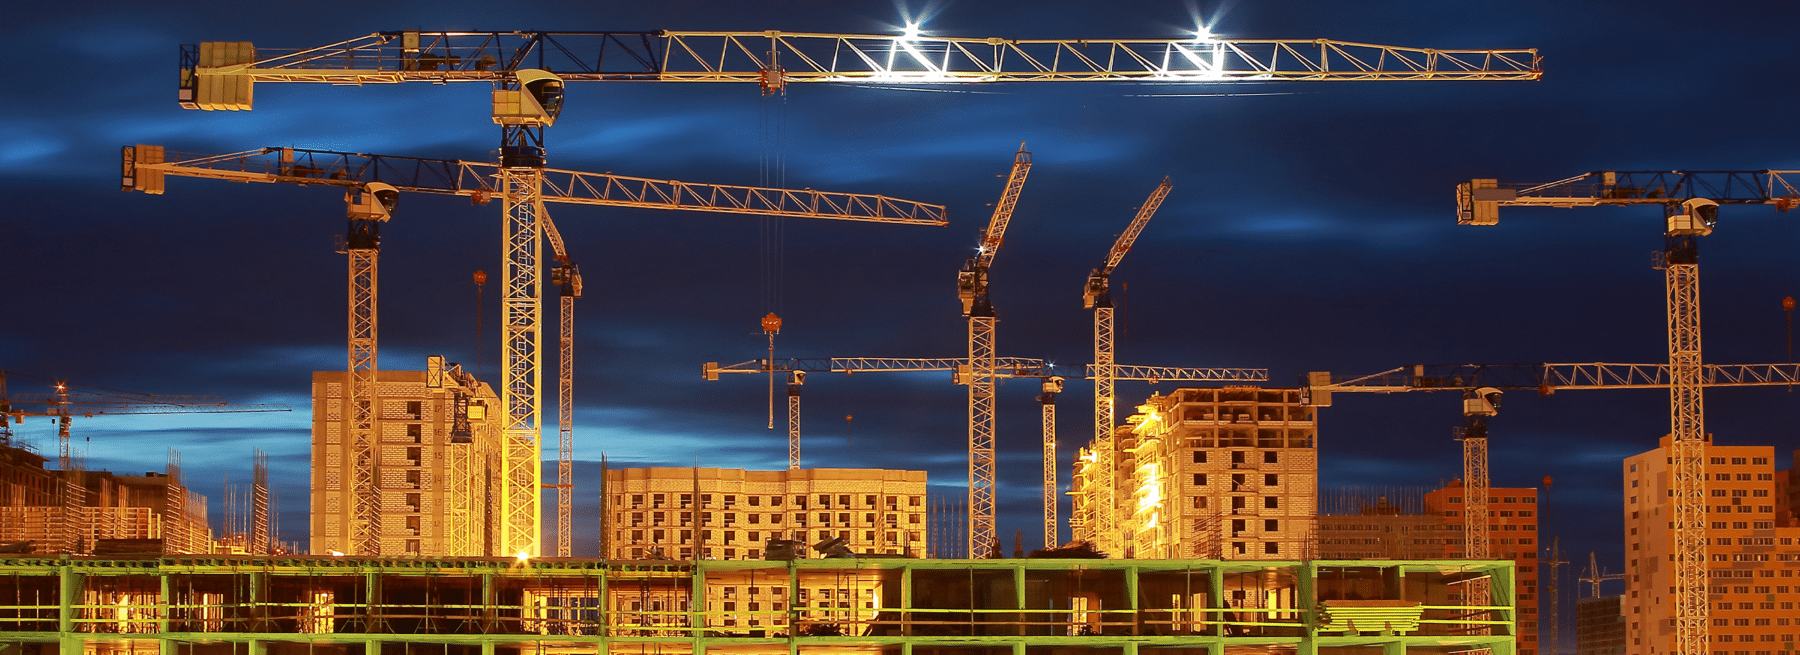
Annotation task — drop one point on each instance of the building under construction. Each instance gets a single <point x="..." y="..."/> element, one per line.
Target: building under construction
<point x="649" y="512"/>
<point x="437" y="475"/>
<point x="1227" y="473"/>
<point x="50" y="511"/>
<point x="1750" y="536"/>
<point x="232" y="605"/>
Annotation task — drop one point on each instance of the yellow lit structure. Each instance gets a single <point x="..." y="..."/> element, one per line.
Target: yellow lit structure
<point x="1228" y="473"/>
<point x="649" y="512"/>
<point x="437" y="442"/>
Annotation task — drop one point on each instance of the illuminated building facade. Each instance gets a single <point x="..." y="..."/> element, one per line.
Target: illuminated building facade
<point x="437" y="488"/>
<point x="650" y="511"/>
<point x="1750" y="539"/>
<point x="1227" y="473"/>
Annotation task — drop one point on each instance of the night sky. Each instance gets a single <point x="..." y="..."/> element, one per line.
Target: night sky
<point x="1311" y="228"/>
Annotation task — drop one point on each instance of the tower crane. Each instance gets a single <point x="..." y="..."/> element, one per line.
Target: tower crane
<point x="1098" y="297"/>
<point x="798" y="368"/>
<point x="528" y="70"/>
<point x="1050" y="384"/>
<point x="1481" y="386"/>
<point x="1595" y="576"/>
<point x="1690" y="201"/>
<point x="372" y="183"/>
<point x="63" y="405"/>
<point x="972" y="288"/>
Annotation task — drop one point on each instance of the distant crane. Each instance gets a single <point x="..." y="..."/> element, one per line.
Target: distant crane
<point x="1553" y="589"/>
<point x="528" y="70"/>
<point x="63" y="405"/>
<point x="1690" y="201"/>
<point x="1097" y="296"/>
<point x="372" y="183"/>
<point x="972" y="289"/>
<point x="1595" y="576"/>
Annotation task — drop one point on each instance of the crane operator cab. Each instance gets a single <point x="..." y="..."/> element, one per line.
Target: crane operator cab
<point x="1484" y="401"/>
<point x="1697" y="217"/>
<point x="536" y="100"/>
<point x="373" y="202"/>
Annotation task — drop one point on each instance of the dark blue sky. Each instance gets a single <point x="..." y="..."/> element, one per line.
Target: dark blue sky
<point x="1311" y="228"/>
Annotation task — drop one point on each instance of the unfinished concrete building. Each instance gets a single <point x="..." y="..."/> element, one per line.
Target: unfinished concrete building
<point x="649" y="512"/>
<point x="1751" y="542"/>
<point x="1228" y="473"/>
<point x="438" y="480"/>
<point x="226" y="605"/>
<point x="82" y="512"/>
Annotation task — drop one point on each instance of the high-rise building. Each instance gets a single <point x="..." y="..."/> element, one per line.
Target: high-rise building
<point x="1750" y="540"/>
<point x="649" y="512"/>
<point x="436" y="483"/>
<point x="1214" y="473"/>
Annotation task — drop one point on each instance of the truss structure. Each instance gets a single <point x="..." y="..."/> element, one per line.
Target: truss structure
<point x="481" y="182"/>
<point x="751" y="58"/>
<point x="365" y="446"/>
<point x="1549" y="378"/>
<point x="565" y="426"/>
<point x="521" y="386"/>
<point x="982" y="534"/>
<point x="1048" y="400"/>
<point x="1106" y="520"/>
<point x="1688" y="448"/>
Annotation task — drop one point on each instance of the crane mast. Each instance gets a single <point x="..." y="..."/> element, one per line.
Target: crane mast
<point x="1098" y="297"/>
<point x="1690" y="202"/>
<point x="972" y="288"/>
<point x="369" y="207"/>
<point x="1050" y="387"/>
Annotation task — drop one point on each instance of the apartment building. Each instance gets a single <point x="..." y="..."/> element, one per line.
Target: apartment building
<point x="437" y="484"/>
<point x="1213" y="473"/>
<point x="1751" y="550"/>
<point x="649" y="512"/>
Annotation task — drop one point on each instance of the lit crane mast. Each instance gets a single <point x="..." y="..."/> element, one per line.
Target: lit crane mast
<point x="1097" y="296"/>
<point x="369" y="207"/>
<point x="1690" y="203"/>
<point x="972" y="288"/>
<point x="527" y="98"/>
<point x="370" y="178"/>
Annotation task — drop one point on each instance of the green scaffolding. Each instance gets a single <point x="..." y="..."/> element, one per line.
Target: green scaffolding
<point x="228" y="605"/>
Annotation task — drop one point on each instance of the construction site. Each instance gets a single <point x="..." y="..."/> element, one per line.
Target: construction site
<point x="455" y="506"/>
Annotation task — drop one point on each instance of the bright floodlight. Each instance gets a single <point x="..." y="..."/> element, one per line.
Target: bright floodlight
<point x="1202" y="34"/>
<point x="911" y="31"/>
<point x="523" y="555"/>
